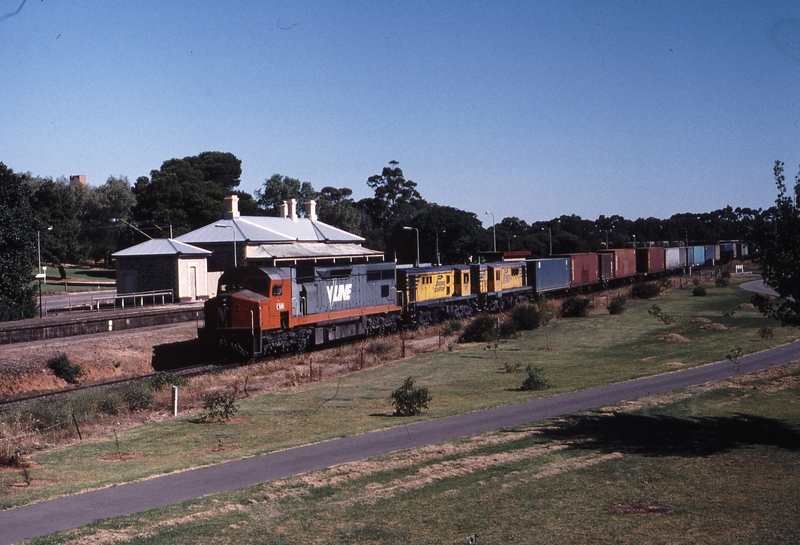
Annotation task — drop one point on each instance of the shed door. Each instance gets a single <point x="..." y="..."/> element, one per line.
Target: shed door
<point x="193" y="283"/>
<point x="128" y="282"/>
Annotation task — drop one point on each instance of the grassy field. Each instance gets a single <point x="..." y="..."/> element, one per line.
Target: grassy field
<point x="80" y="280"/>
<point x="549" y="477"/>
<point x="713" y="464"/>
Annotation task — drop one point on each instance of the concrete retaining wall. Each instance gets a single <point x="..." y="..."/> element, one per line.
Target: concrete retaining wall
<point x="38" y="330"/>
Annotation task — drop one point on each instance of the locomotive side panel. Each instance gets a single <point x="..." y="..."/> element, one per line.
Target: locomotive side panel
<point x="505" y="276"/>
<point x="353" y="287"/>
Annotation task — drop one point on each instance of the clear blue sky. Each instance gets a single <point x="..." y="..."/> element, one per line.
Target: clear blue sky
<point x="529" y="109"/>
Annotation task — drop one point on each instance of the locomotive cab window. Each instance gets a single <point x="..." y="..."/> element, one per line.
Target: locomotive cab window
<point x="258" y="285"/>
<point x="277" y="289"/>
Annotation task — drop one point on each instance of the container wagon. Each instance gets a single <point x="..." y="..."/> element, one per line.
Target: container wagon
<point x="624" y="262"/>
<point x="650" y="261"/>
<point x="549" y="274"/>
<point x="584" y="269"/>
<point x="674" y="258"/>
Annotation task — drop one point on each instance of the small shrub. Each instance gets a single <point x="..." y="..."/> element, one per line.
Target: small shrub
<point x="721" y="281"/>
<point x="666" y="318"/>
<point x="766" y="333"/>
<point x="450" y="327"/>
<point x="654" y="311"/>
<point x="575" y="307"/>
<point x="527" y="317"/>
<point x="45" y="414"/>
<point x="645" y="290"/>
<point x="508" y="329"/>
<point x="111" y="403"/>
<point x="63" y="369"/>
<point x="512" y="367"/>
<point x="729" y="313"/>
<point x="219" y="406"/>
<point x="617" y="305"/>
<point x="86" y="402"/>
<point x="137" y="394"/>
<point x="535" y="379"/>
<point x="165" y="379"/>
<point x="410" y="401"/>
<point x="699" y="291"/>
<point x="379" y="348"/>
<point x="482" y="329"/>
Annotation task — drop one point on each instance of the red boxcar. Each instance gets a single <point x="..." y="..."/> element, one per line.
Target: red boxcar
<point x="584" y="269"/>
<point x="624" y="262"/>
<point x="650" y="260"/>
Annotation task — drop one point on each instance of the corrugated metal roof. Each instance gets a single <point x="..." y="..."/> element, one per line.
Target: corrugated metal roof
<point x="268" y="229"/>
<point x="162" y="246"/>
<point x="301" y="250"/>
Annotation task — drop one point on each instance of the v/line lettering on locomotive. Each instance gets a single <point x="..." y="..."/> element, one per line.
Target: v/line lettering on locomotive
<point x="338" y="293"/>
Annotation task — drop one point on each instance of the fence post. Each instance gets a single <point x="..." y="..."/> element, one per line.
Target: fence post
<point x="75" y="421"/>
<point x="174" y="401"/>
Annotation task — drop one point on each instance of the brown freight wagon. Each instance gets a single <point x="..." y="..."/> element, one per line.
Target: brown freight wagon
<point x="584" y="269"/>
<point x="605" y="264"/>
<point x="624" y="262"/>
<point x="650" y="260"/>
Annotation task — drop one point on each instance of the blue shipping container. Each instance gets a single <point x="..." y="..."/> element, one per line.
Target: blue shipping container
<point x="710" y="254"/>
<point x="549" y="274"/>
<point x="699" y="255"/>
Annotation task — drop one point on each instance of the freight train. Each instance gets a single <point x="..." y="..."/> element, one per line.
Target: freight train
<point x="262" y="311"/>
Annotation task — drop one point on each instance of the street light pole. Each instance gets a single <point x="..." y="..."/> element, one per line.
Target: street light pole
<point x="494" y="232"/>
<point x="223" y="226"/>
<point x="40" y="275"/>
<point x="438" y="258"/>
<point x="416" y="263"/>
<point x="550" y="232"/>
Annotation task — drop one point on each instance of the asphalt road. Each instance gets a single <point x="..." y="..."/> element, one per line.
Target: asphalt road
<point x="73" y="511"/>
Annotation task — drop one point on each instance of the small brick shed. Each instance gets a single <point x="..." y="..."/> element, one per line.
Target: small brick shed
<point x="164" y="264"/>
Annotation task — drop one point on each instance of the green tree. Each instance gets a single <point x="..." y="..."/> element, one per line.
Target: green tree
<point x="60" y="205"/>
<point x="114" y="199"/>
<point x="776" y="238"/>
<point x="336" y="207"/>
<point x="187" y="193"/>
<point x="395" y="203"/>
<point x="279" y="188"/>
<point x="460" y="235"/>
<point x="18" y="257"/>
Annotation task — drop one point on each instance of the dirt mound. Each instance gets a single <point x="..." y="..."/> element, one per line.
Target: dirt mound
<point x="713" y="327"/>
<point x="674" y="338"/>
<point x="701" y="321"/>
<point x="746" y="306"/>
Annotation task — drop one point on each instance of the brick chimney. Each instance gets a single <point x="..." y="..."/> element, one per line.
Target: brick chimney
<point x="231" y="207"/>
<point x="311" y="210"/>
<point x="292" y="209"/>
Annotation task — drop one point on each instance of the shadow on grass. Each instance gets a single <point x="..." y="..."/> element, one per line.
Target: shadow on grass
<point x="167" y="357"/>
<point x="670" y="436"/>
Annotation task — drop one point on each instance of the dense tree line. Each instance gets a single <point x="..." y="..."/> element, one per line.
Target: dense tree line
<point x="184" y="194"/>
